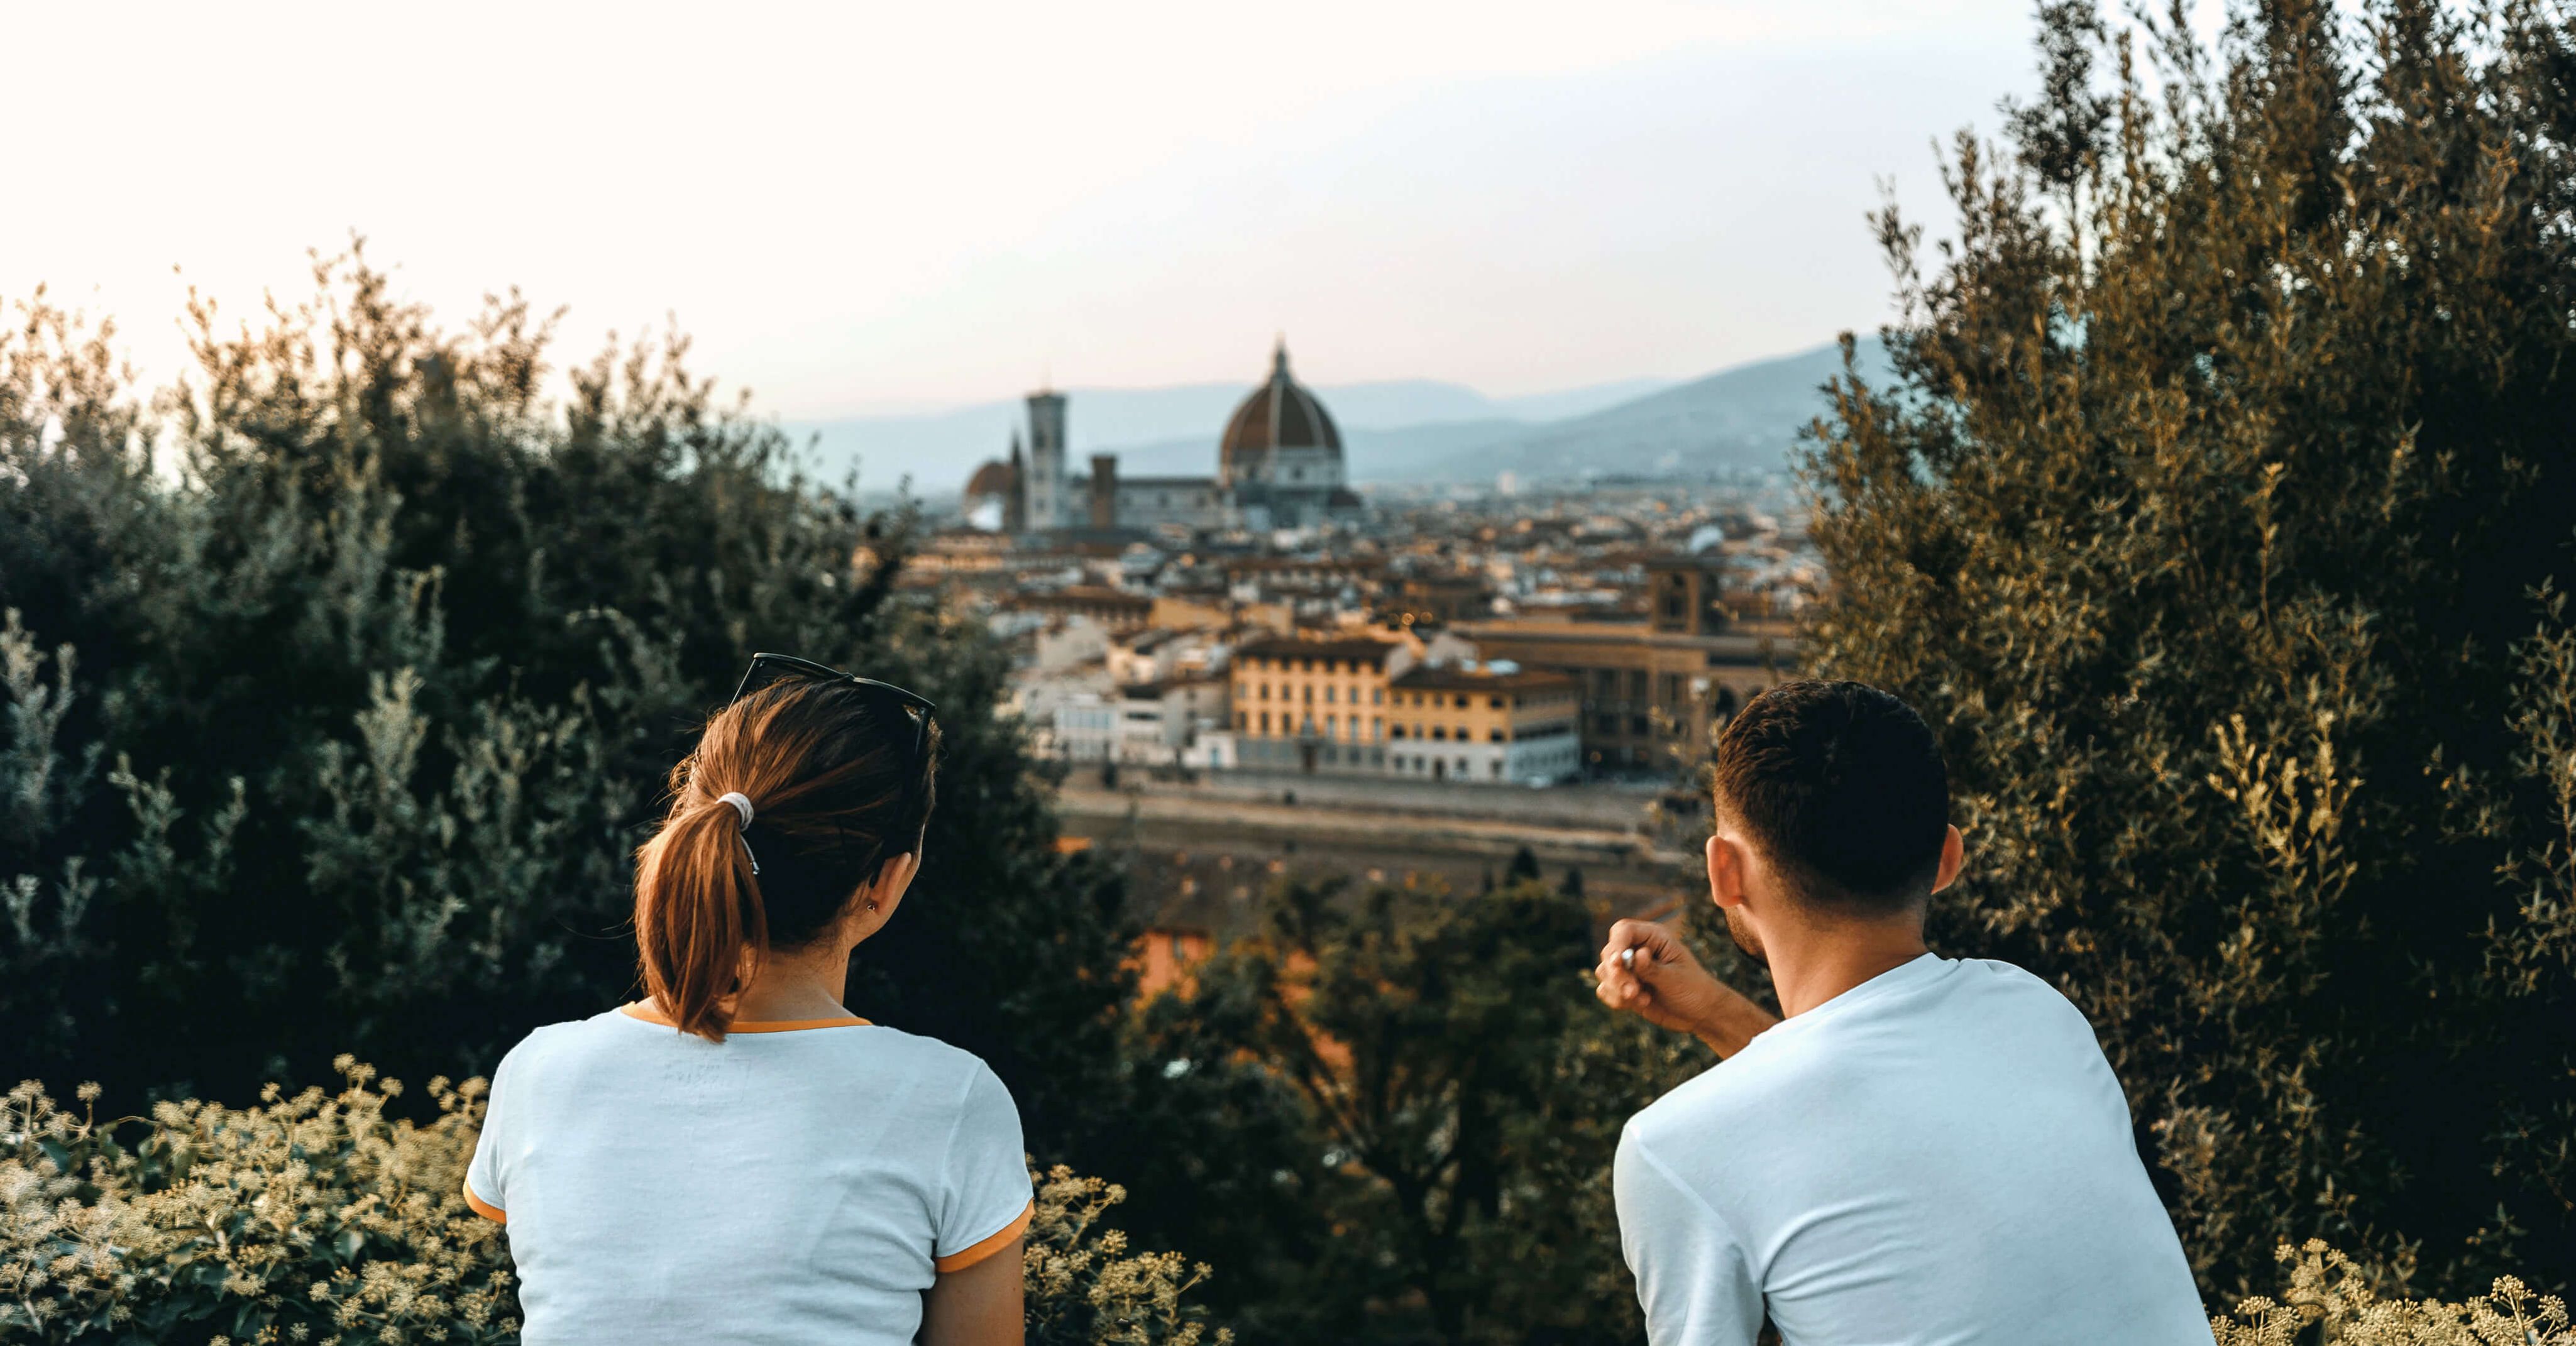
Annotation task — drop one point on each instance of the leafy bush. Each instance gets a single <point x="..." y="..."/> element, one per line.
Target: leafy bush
<point x="1421" y="1106"/>
<point x="324" y="1218"/>
<point x="337" y="680"/>
<point x="2330" y="1298"/>
<point x="2217" y="517"/>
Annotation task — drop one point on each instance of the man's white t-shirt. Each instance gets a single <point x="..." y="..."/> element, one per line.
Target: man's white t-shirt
<point x="796" y="1183"/>
<point x="1940" y="1154"/>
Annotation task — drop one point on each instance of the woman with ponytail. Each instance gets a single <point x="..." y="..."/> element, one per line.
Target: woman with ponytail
<point x="735" y="1157"/>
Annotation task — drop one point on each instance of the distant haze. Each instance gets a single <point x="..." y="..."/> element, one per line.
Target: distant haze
<point x="1414" y="430"/>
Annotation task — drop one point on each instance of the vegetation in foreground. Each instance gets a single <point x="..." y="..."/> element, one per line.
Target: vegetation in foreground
<point x="2218" y="518"/>
<point x="322" y="1217"/>
<point x="341" y="679"/>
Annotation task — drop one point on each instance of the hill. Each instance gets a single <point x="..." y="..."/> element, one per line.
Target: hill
<point x="1408" y="430"/>
<point x="1166" y="430"/>
<point x="1743" y="418"/>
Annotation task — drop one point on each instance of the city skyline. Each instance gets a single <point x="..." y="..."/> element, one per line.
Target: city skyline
<point x="874" y="212"/>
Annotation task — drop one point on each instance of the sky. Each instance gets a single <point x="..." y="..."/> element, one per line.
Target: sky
<point x="870" y="208"/>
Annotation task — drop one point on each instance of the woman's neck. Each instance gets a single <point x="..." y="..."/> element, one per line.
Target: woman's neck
<point x="793" y="986"/>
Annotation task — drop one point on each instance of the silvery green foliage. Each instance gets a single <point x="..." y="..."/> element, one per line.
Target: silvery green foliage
<point x="2214" y="518"/>
<point x="341" y="677"/>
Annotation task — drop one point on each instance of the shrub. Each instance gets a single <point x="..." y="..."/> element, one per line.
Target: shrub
<point x="2330" y="1299"/>
<point x="1421" y="1105"/>
<point x="326" y="1218"/>
<point x="2217" y="517"/>
<point x="338" y="679"/>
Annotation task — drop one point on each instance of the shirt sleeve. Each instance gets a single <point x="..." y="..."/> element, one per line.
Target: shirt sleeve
<point x="485" y="1188"/>
<point x="985" y="1199"/>
<point x="1694" y="1280"/>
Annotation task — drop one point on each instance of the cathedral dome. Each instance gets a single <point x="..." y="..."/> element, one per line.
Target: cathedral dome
<point x="1280" y="414"/>
<point x="993" y="480"/>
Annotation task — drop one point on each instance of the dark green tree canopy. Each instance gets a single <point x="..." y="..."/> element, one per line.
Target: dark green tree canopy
<point x="2214" y="517"/>
<point x="339" y="680"/>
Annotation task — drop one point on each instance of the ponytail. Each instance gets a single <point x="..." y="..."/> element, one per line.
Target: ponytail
<point x="697" y="913"/>
<point x="836" y="794"/>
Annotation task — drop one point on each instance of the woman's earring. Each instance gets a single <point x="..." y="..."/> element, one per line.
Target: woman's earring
<point x="872" y="906"/>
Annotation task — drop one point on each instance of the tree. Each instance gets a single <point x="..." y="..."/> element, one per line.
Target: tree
<point x="2216" y="517"/>
<point x="1443" y="1098"/>
<point x="333" y="728"/>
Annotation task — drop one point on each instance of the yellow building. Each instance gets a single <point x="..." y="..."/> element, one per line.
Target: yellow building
<point x="1484" y="723"/>
<point x="1310" y="705"/>
<point x="1369" y="706"/>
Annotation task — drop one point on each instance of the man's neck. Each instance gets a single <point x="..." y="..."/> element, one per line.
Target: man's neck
<point x="1829" y="960"/>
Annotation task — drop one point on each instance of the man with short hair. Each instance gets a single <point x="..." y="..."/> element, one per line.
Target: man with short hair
<point x="1923" y="1149"/>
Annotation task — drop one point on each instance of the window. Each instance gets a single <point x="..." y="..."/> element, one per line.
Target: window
<point x="1439" y="733"/>
<point x="1636" y="684"/>
<point x="1265" y="691"/>
<point x="1399" y="732"/>
<point x="1605" y="725"/>
<point x="1463" y="701"/>
<point x="1495" y="736"/>
<point x="1328" y="693"/>
<point x="1265" y="722"/>
<point x="1637" y="725"/>
<point x="1243" y="719"/>
<point x="1328" y="726"/>
<point x="1493" y="703"/>
<point x="1377" y="727"/>
<point x="1310" y="693"/>
<point x="1377" y="696"/>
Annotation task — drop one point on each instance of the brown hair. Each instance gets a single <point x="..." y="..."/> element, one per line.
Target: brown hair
<point x="1842" y="786"/>
<point x="835" y="795"/>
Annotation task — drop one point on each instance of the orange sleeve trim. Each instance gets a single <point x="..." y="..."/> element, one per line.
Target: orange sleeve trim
<point x="485" y="1208"/>
<point x="967" y="1257"/>
<point x="648" y="1013"/>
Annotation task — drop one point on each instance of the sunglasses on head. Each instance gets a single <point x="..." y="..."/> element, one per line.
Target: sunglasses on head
<point x="769" y="670"/>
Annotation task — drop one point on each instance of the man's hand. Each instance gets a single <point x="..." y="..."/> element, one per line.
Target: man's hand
<point x="1647" y="971"/>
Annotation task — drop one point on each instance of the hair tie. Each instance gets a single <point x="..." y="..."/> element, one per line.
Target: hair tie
<point x="742" y="805"/>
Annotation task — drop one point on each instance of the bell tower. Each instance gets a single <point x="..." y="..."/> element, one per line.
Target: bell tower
<point x="1046" y="489"/>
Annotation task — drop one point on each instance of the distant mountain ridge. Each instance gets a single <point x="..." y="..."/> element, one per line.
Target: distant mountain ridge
<point x="1746" y="417"/>
<point x="1392" y="431"/>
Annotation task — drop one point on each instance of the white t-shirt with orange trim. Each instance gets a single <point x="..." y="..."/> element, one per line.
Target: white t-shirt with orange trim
<point x="796" y="1183"/>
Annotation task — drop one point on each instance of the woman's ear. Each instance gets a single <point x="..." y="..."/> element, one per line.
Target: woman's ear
<point x="876" y="900"/>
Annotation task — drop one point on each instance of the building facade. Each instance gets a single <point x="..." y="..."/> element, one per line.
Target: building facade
<point x="1487" y="723"/>
<point x="1279" y="465"/>
<point x="1315" y="705"/>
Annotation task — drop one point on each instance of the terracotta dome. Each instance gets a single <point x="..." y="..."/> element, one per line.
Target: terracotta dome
<point x="991" y="480"/>
<point x="1280" y="414"/>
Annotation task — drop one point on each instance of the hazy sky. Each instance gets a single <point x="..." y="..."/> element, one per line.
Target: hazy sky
<point x="870" y="207"/>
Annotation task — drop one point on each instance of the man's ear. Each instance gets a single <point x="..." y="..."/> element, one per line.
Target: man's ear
<point x="1954" y="853"/>
<point x="1725" y="871"/>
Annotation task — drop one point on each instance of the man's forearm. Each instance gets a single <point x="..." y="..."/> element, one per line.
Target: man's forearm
<point x="1732" y="1022"/>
